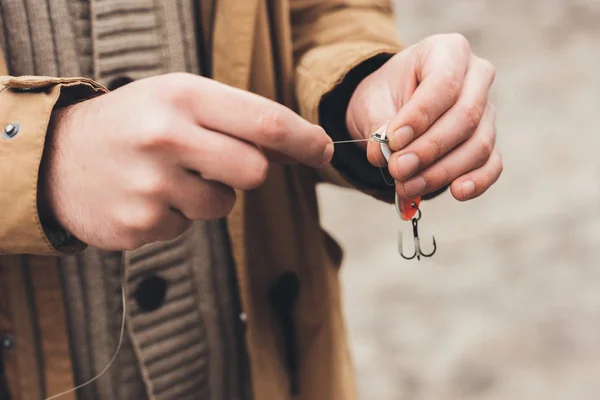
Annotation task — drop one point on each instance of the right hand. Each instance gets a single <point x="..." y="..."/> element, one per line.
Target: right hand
<point x="137" y="165"/>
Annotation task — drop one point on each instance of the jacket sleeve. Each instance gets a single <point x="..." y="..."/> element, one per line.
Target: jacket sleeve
<point x="26" y="104"/>
<point x="336" y="44"/>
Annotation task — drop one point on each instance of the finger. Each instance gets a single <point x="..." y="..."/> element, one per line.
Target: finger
<point x="374" y="149"/>
<point x="374" y="154"/>
<point x="477" y="182"/>
<point x="221" y="158"/>
<point x="454" y="127"/>
<point x="258" y="120"/>
<point x="469" y="156"/>
<point x="177" y="225"/>
<point x="368" y="112"/>
<point x="197" y="199"/>
<point x="439" y="88"/>
<point x="149" y="220"/>
<point x="278" y="158"/>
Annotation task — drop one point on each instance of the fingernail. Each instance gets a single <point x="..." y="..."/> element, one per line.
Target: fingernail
<point x="327" y="154"/>
<point x="468" y="188"/>
<point x="407" y="164"/>
<point x="402" y="137"/>
<point x="414" y="187"/>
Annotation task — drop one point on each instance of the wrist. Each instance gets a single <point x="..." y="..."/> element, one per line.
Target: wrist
<point x="55" y="233"/>
<point x="335" y="107"/>
<point x="353" y="113"/>
<point x="334" y="116"/>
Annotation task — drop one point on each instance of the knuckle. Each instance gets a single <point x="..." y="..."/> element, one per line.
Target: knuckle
<point x="472" y="114"/>
<point x="485" y="148"/>
<point x="435" y="149"/>
<point x="176" y="88"/>
<point x="271" y="126"/>
<point x="444" y="176"/>
<point x="152" y="184"/>
<point x="460" y="41"/>
<point x="452" y="81"/>
<point x="156" y="132"/>
<point x="148" y="220"/>
<point x="140" y="221"/>
<point x="422" y="117"/>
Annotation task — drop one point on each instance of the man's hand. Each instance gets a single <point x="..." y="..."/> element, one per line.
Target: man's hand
<point x="434" y="97"/>
<point x="137" y="165"/>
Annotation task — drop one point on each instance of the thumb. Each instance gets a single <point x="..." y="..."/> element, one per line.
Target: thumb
<point x="369" y="109"/>
<point x="374" y="152"/>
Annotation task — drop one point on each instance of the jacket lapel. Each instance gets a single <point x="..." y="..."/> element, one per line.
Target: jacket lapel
<point x="3" y="67"/>
<point x="233" y="45"/>
<point x="233" y="41"/>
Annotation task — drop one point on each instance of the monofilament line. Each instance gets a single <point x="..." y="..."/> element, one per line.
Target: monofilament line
<point x="114" y="357"/>
<point x="352" y="141"/>
<point x="124" y="301"/>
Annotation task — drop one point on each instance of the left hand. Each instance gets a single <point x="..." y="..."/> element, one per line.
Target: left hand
<point x="434" y="98"/>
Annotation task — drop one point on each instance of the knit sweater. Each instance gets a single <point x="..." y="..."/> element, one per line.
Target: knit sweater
<point x="189" y="344"/>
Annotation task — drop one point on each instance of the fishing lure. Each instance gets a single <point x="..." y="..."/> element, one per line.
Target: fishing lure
<point x="406" y="209"/>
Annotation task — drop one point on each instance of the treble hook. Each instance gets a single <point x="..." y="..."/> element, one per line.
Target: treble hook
<point x="380" y="136"/>
<point x="418" y="252"/>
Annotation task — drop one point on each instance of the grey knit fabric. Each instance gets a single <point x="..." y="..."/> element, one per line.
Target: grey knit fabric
<point x="189" y="347"/>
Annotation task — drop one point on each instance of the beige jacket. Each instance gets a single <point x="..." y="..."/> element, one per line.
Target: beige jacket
<point x="294" y="51"/>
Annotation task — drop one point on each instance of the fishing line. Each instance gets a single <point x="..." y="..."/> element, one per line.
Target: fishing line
<point x="121" y="334"/>
<point x="352" y="141"/>
<point x="124" y="302"/>
<point x="383" y="176"/>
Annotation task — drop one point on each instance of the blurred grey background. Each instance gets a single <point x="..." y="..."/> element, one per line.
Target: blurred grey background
<point x="509" y="307"/>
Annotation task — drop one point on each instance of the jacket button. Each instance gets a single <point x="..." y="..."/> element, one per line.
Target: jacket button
<point x="118" y="82"/>
<point x="8" y="342"/>
<point x="10" y="131"/>
<point x="151" y="293"/>
<point x="285" y="291"/>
